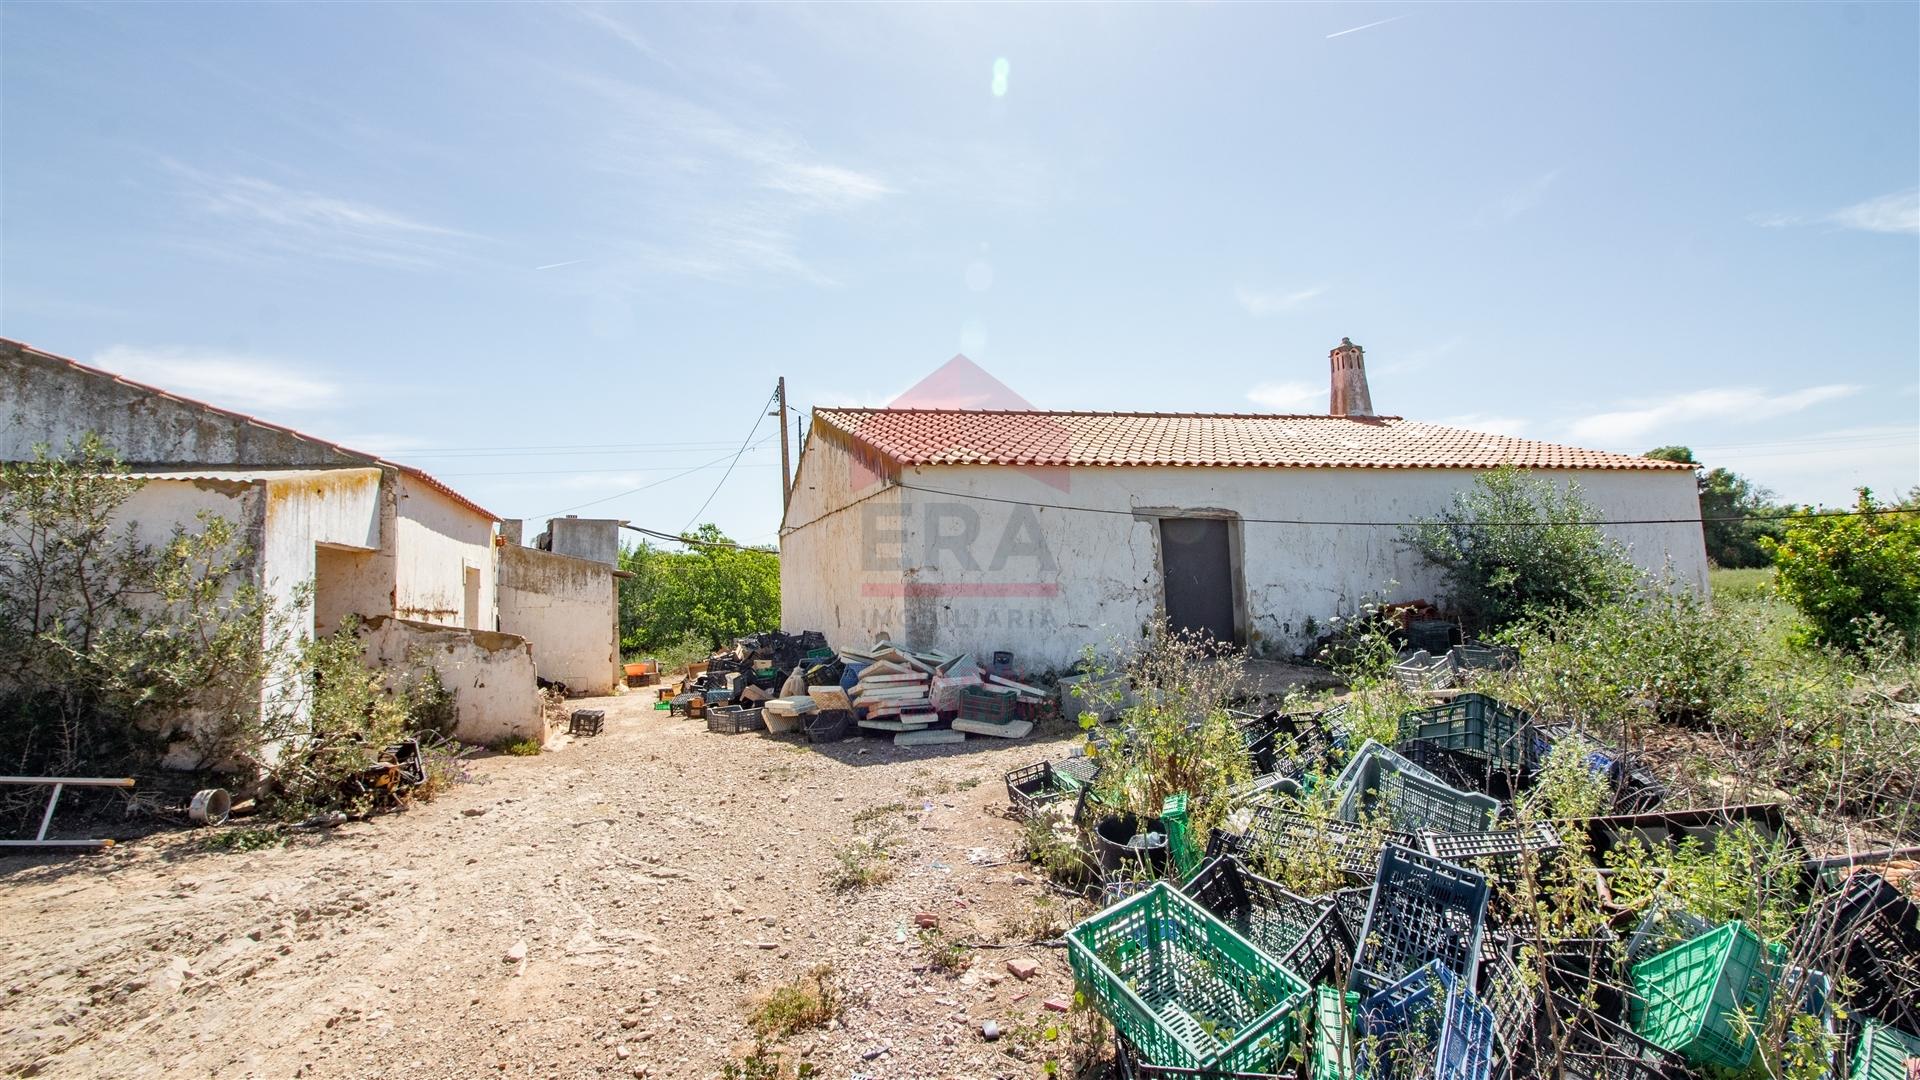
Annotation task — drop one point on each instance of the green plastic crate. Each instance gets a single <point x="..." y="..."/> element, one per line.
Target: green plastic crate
<point x="1333" y="1038"/>
<point x="1703" y="998"/>
<point x="1474" y="724"/>
<point x="1173" y="818"/>
<point x="1883" y="1053"/>
<point x="1183" y="987"/>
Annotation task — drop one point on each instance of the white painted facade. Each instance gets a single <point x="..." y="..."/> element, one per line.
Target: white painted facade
<point x="982" y="570"/>
<point x="568" y="608"/>
<point x="489" y="673"/>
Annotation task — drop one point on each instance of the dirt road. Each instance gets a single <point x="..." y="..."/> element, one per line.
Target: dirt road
<point x="609" y="908"/>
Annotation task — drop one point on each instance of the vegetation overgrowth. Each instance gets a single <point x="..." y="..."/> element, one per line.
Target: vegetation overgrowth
<point x="679" y="605"/>
<point x="118" y="649"/>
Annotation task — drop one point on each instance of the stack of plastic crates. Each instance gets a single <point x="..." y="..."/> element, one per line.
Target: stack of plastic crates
<point x="1183" y="987"/>
<point x="1427" y="1025"/>
<point x="1704" y="997"/>
<point x="1304" y="935"/>
<point x="1422" y="909"/>
<point x="1379" y="783"/>
<point x="987" y="704"/>
<point x="1285" y="835"/>
<point x="1181" y="849"/>
<point x="1033" y="786"/>
<point x="1885" y="1053"/>
<point x="1635" y="788"/>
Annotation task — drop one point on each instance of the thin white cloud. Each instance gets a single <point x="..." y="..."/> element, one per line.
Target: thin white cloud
<point x="1898" y="212"/>
<point x="633" y="38"/>
<point x="1824" y="467"/>
<point x="1263" y="302"/>
<point x="1628" y="426"/>
<point x="1424" y="356"/>
<point x="1489" y="423"/>
<point x="236" y="381"/>
<point x="249" y="215"/>
<point x="726" y="197"/>
<point x="1289" y="397"/>
<point x="1518" y="201"/>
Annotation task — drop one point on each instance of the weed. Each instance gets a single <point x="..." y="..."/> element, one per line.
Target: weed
<point x="864" y="863"/>
<point x="810" y="1001"/>
<point x="243" y="838"/>
<point x="513" y="747"/>
<point x="968" y="784"/>
<point x="1043" y="921"/>
<point x="943" y="953"/>
<point x="764" y="1064"/>
<point x="878" y="813"/>
<point x="1052" y="843"/>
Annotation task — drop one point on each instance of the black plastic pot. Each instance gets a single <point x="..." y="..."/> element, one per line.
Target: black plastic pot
<point x="1110" y="848"/>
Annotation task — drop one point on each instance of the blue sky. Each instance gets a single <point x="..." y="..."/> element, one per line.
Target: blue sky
<point x="553" y="253"/>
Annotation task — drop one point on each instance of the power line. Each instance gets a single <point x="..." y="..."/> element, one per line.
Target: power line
<point x="635" y="491"/>
<point x="1130" y="512"/>
<point x="683" y="539"/>
<point x="759" y="415"/>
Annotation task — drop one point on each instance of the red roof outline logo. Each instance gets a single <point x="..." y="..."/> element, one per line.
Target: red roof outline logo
<point x="962" y="384"/>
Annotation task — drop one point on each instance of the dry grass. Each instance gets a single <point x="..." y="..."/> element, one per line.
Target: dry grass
<point x="810" y="1001"/>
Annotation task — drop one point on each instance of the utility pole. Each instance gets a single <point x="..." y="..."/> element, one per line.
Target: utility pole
<point x="786" y="466"/>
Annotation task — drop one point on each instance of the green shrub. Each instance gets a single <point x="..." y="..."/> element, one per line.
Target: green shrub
<point x="1515" y="543"/>
<point x="1849" y="574"/>
<point x="1659" y="652"/>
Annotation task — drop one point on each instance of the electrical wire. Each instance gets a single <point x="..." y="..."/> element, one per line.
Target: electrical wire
<point x="643" y="487"/>
<point x="1130" y="512"/>
<point x="759" y="415"/>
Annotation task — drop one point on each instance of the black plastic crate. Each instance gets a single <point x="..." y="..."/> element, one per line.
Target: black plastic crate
<point x="1870" y="930"/>
<point x="1423" y="909"/>
<point x="1032" y="786"/>
<point x="1497" y="854"/>
<point x="1278" y="833"/>
<point x="1554" y="1032"/>
<point x="828" y="725"/>
<point x="1304" y="935"/>
<point x="586" y="721"/>
<point x="1673" y="826"/>
<point x="734" y="719"/>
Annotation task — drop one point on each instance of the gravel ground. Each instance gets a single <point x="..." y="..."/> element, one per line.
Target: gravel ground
<point x="609" y="908"/>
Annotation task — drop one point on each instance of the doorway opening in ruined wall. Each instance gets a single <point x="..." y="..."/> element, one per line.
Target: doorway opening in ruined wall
<point x="1200" y="575"/>
<point x="471" y="610"/>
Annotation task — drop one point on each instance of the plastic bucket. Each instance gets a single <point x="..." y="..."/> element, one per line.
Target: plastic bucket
<point x="1111" y="850"/>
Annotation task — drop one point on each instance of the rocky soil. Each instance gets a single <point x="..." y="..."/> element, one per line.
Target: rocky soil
<point x="614" y="907"/>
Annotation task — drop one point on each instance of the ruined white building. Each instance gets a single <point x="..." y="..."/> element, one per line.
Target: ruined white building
<point x="1042" y="532"/>
<point x="413" y="558"/>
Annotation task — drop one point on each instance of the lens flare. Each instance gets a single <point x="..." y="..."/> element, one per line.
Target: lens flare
<point x="1000" y="67"/>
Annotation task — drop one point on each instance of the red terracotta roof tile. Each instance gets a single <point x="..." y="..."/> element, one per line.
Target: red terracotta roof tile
<point x="1043" y="438"/>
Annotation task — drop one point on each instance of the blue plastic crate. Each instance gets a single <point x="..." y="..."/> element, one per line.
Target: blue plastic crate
<point x="1380" y="784"/>
<point x="1422" y="909"/>
<point x="1427" y="1025"/>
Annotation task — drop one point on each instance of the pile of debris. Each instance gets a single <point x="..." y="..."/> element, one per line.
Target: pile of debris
<point x="795" y="683"/>
<point x="1407" y="946"/>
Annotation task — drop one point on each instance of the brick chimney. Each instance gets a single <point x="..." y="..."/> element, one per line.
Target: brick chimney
<point x="1350" y="396"/>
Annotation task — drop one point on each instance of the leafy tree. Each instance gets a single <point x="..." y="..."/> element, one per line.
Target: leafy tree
<point x="1725" y="494"/>
<point x="1514" y="543"/>
<point x="702" y="597"/>
<point x="1852" y="575"/>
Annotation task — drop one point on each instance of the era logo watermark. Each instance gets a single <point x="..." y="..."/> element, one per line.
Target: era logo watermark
<point x="945" y="537"/>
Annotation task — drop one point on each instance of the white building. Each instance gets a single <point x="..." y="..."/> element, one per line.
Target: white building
<point x="1042" y="532"/>
<point x="413" y="558"/>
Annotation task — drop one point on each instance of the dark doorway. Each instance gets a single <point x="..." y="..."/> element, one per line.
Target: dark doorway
<point x="1197" y="556"/>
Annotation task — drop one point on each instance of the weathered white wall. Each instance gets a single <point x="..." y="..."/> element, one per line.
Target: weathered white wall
<point x="831" y="579"/>
<point x="435" y="542"/>
<point x="1045" y="581"/>
<point x="490" y="674"/>
<point x="566" y="607"/>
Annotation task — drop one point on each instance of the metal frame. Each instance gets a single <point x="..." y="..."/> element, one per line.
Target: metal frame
<point x="60" y="784"/>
